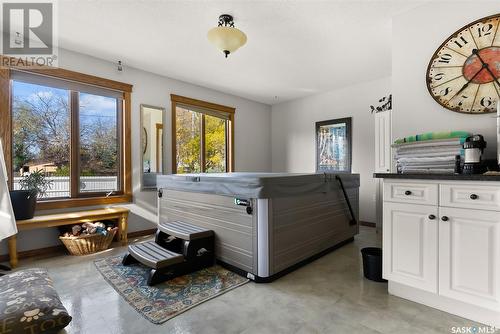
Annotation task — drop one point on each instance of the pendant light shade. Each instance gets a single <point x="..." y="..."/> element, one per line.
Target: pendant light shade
<point x="226" y="37"/>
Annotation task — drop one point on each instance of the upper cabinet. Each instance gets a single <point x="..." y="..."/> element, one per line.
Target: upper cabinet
<point x="383" y="141"/>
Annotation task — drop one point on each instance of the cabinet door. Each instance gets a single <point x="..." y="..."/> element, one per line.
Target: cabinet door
<point x="383" y="139"/>
<point x="469" y="256"/>
<point x="410" y="245"/>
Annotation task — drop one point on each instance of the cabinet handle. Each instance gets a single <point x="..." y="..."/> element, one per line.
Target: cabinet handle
<point x="431" y="217"/>
<point x="407" y="193"/>
<point x="474" y="196"/>
<point x="444" y="218"/>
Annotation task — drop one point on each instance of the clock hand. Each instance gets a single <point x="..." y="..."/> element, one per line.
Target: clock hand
<point x="467" y="83"/>
<point x="473" y="77"/>
<point x="485" y="65"/>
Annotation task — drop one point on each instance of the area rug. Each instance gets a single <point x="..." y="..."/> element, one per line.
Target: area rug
<point x="166" y="300"/>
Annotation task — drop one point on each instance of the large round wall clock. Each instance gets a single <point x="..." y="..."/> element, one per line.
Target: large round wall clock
<point x="464" y="73"/>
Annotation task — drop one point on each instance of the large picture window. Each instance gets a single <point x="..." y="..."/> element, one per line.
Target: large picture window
<point x="203" y="136"/>
<point x="74" y="132"/>
<point x="41" y="135"/>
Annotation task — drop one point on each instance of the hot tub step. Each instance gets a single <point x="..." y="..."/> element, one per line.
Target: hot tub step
<point x="178" y="249"/>
<point x="184" y="231"/>
<point x="153" y="255"/>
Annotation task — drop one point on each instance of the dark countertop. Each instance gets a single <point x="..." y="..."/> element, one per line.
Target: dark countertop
<point x="457" y="177"/>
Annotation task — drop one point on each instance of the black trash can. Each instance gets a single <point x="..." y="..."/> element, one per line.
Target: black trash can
<point x="372" y="263"/>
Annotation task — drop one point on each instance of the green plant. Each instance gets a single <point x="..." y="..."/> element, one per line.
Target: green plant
<point x="62" y="171"/>
<point x="36" y="181"/>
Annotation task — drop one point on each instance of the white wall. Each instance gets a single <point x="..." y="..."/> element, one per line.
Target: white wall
<point x="293" y="133"/>
<point x="252" y="130"/>
<point x="416" y="35"/>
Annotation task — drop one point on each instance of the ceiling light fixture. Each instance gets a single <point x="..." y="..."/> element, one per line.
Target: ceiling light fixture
<point x="225" y="36"/>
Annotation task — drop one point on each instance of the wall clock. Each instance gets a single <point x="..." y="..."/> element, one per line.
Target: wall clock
<point x="464" y="73"/>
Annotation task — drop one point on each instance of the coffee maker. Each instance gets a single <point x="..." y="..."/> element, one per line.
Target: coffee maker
<point x="473" y="148"/>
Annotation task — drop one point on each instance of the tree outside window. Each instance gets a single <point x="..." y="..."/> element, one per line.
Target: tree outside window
<point x="46" y="130"/>
<point x="203" y="137"/>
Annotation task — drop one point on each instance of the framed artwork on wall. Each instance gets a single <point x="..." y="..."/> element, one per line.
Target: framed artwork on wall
<point x="334" y="145"/>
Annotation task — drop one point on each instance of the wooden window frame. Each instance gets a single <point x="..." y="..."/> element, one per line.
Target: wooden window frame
<point x="7" y="64"/>
<point x="230" y="111"/>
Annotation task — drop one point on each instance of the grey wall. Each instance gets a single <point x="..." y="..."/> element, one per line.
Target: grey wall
<point x="293" y="133"/>
<point x="417" y="33"/>
<point x="416" y="36"/>
<point x="252" y="131"/>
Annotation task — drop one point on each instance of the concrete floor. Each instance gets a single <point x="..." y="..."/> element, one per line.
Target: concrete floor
<point x="329" y="295"/>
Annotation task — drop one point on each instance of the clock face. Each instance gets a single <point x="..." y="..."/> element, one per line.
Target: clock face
<point x="464" y="73"/>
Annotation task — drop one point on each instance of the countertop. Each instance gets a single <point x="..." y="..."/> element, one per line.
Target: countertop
<point x="457" y="177"/>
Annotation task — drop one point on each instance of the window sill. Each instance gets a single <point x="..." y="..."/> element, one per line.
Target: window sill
<point x="77" y="202"/>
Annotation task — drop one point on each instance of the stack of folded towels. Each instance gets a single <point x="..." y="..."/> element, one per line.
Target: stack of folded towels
<point x="430" y="153"/>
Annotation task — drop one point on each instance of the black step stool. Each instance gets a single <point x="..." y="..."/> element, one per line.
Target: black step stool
<point x="179" y="248"/>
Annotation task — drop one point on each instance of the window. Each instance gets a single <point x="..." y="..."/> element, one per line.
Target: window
<point x="41" y="128"/>
<point x="204" y="137"/>
<point x="333" y="145"/>
<point x="77" y="133"/>
<point x="99" y="158"/>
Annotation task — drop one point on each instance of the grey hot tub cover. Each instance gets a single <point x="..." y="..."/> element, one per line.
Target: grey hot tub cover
<point x="257" y="185"/>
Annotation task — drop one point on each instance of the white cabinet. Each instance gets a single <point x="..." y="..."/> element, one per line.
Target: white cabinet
<point x="410" y="245"/>
<point x="441" y="245"/>
<point x="471" y="196"/>
<point x="469" y="256"/>
<point x="415" y="193"/>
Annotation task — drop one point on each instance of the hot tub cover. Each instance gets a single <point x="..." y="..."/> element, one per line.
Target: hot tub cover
<point x="257" y="185"/>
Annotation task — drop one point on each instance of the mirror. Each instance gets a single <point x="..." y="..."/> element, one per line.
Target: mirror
<point x="151" y="145"/>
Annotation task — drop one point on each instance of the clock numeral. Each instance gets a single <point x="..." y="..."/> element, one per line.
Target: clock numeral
<point x="485" y="30"/>
<point x="445" y="91"/>
<point x="462" y="100"/>
<point x="463" y="40"/>
<point x="445" y="58"/>
<point x="486" y="102"/>
<point x="438" y="76"/>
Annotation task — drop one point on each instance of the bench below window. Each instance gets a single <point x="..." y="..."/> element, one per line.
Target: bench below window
<point x="68" y="218"/>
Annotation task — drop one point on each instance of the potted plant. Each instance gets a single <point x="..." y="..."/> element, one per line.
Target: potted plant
<point x="33" y="185"/>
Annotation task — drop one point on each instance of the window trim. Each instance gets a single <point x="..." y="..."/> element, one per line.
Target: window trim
<point x="10" y="63"/>
<point x="218" y="108"/>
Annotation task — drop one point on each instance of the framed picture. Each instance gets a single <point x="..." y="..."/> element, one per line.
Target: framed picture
<point x="334" y="145"/>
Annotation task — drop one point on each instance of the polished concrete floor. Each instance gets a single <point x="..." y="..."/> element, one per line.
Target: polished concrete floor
<point x="329" y="295"/>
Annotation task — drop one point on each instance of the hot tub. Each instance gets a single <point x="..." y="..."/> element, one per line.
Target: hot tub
<point x="265" y="224"/>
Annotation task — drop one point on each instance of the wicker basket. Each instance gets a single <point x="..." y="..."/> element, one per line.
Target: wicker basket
<point x="88" y="244"/>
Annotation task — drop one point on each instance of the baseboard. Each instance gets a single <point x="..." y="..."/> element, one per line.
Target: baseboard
<point x="369" y="224"/>
<point x="60" y="249"/>
<point x="142" y="233"/>
<point x="52" y="250"/>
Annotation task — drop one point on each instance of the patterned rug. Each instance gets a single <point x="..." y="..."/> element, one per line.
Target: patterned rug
<point x="169" y="299"/>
